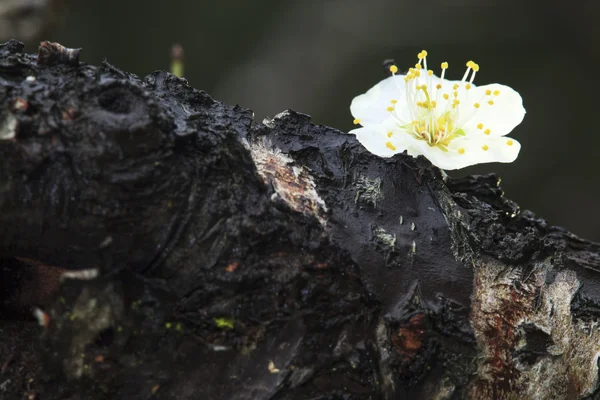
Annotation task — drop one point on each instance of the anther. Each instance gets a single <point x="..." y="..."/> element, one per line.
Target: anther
<point x="390" y="108"/>
<point x="393" y="101"/>
<point x="430" y="72"/>
<point x="488" y="92"/>
<point x="496" y="92"/>
<point x="393" y="69"/>
<point x="446" y="96"/>
<point x="491" y="102"/>
<point x="356" y="121"/>
<point x="461" y="151"/>
<point x="476" y="105"/>
<point x="390" y="133"/>
<point x="468" y="86"/>
<point x="390" y="146"/>
<point x="438" y="86"/>
<point x="509" y="142"/>
<point x="487" y="131"/>
<point x="444" y="68"/>
<point x="479" y="126"/>
<point x="485" y="147"/>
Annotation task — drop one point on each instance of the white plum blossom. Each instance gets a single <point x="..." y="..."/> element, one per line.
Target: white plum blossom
<point x="453" y="124"/>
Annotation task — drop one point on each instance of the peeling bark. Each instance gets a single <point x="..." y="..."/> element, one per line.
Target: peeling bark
<point x="274" y="260"/>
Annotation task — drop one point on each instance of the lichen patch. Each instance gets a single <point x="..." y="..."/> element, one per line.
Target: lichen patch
<point x="8" y="127"/>
<point x="368" y="190"/>
<point x="530" y="346"/>
<point x="294" y="184"/>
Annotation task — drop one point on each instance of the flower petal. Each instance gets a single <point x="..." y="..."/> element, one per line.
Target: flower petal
<point x="500" y="110"/>
<point x="374" y="141"/>
<point x="387" y="139"/>
<point x="467" y="151"/>
<point x="371" y="107"/>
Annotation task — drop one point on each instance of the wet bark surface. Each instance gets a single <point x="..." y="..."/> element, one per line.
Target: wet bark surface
<point x="178" y="249"/>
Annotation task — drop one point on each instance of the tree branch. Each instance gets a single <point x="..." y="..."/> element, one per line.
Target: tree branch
<point x="275" y="260"/>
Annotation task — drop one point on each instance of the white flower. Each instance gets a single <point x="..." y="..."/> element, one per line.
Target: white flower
<point x="454" y="124"/>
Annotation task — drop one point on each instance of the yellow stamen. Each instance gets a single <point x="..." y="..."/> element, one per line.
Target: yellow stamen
<point x="437" y="129"/>
<point x="356" y="121"/>
<point x="444" y="68"/>
<point x="496" y="92"/>
<point x="488" y="92"/>
<point x="424" y="88"/>
<point x="491" y="102"/>
<point x="485" y="147"/>
<point x="509" y="142"/>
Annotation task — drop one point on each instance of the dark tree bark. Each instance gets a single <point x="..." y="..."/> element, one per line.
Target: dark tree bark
<point x="217" y="257"/>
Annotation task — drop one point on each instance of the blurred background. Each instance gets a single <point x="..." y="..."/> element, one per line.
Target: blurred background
<point x="314" y="56"/>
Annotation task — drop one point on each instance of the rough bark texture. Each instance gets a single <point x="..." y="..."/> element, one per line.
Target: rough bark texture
<point x="275" y="260"/>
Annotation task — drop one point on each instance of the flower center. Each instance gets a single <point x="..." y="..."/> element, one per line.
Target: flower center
<point x="434" y="105"/>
